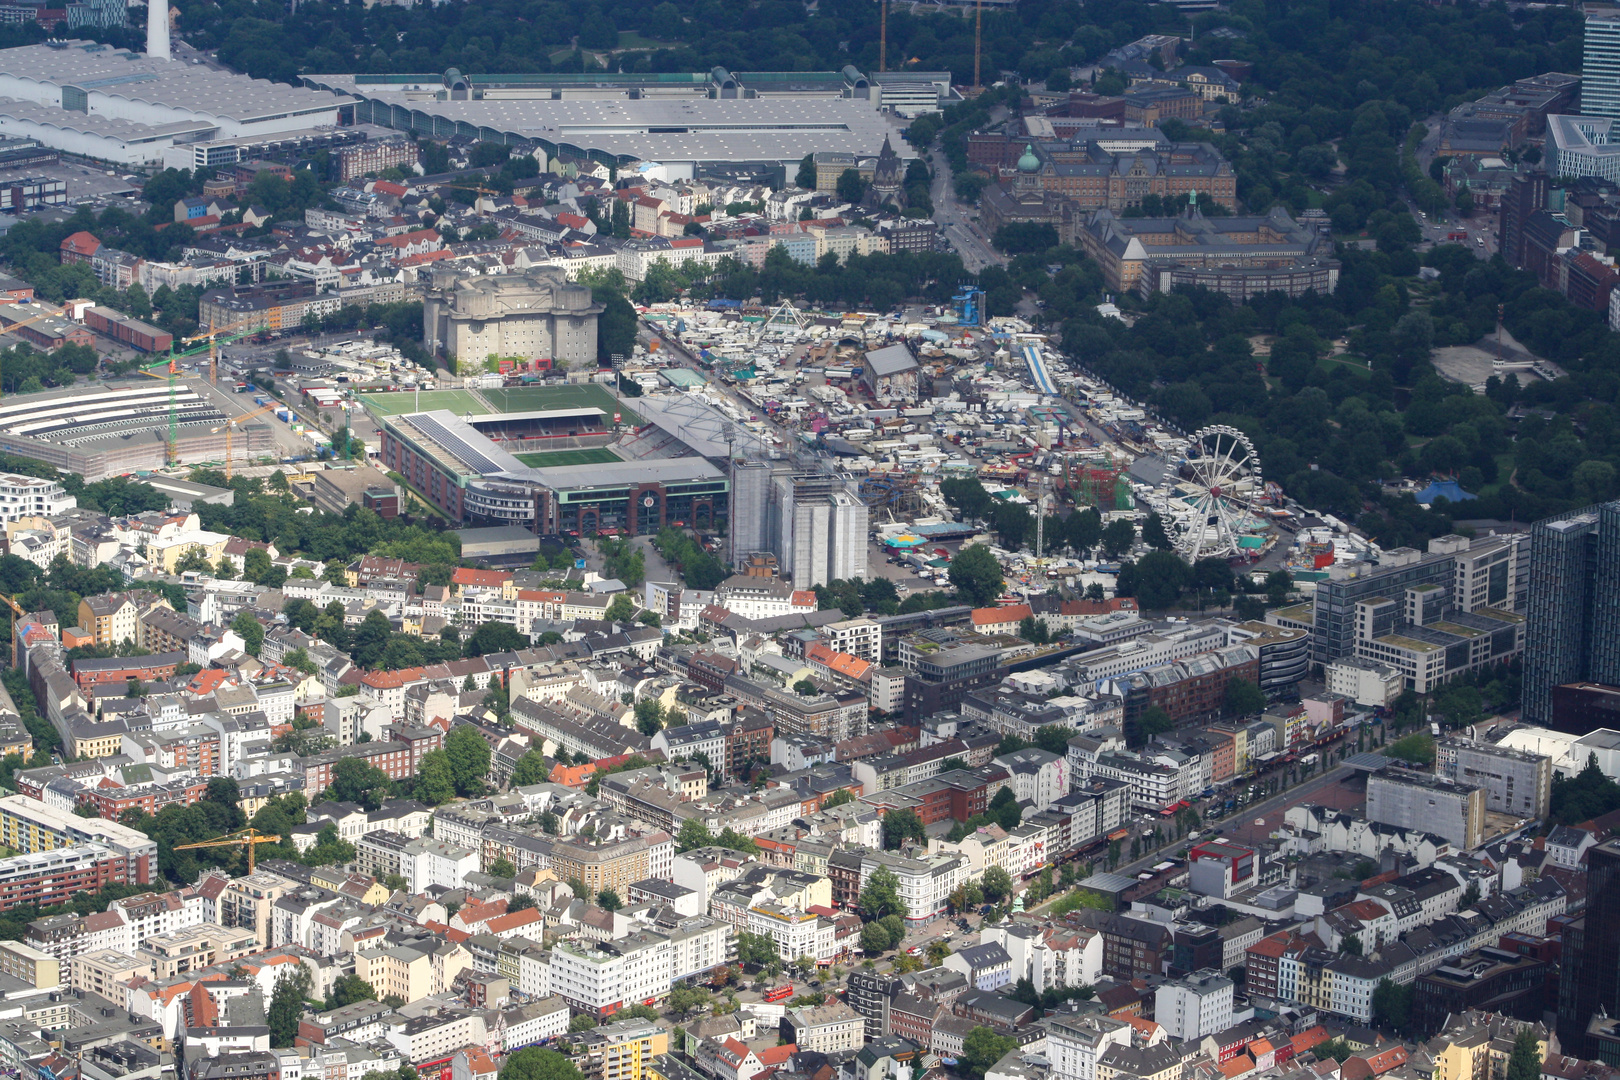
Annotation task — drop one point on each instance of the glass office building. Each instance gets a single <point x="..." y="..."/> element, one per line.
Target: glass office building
<point x="1600" y="62"/>
<point x="1573" y="628"/>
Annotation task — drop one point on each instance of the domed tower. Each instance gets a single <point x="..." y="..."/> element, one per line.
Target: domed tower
<point x="1028" y="181"/>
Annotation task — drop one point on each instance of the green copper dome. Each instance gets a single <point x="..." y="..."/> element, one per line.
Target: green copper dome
<point x="1029" y="162"/>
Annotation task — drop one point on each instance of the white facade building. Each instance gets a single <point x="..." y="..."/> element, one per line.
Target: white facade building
<point x="1198" y="1005"/>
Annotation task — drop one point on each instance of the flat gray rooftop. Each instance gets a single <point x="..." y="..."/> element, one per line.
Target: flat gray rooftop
<point x="659" y="129"/>
<point x="38" y="72"/>
<point x="104" y="127"/>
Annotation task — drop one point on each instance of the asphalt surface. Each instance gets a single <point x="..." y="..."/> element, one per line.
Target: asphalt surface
<point x="955" y="221"/>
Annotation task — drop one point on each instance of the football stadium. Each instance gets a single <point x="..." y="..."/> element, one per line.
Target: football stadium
<point x="562" y="459"/>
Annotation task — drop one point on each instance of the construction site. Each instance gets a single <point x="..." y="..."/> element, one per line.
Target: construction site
<point x="125" y="426"/>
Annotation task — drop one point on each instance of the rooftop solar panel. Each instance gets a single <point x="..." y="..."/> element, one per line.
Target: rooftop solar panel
<point x="454" y="443"/>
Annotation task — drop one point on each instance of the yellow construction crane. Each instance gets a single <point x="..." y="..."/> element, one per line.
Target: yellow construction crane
<point x="29" y="322"/>
<point x="212" y="337"/>
<point x="13" y="605"/>
<point x="475" y="187"/>
<point x="230" y="425"/>
<point x="250" y="838"/>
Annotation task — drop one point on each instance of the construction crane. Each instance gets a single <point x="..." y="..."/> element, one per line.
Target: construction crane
<point x="13" y="605"/>
<point x="249" y="838"/>
<point x="978" y="40"/>
<point x="28" y="322"/>
<point x="170" y="373"/>
<point x="475" y="187"/>
<point x="230" y="425"/>
<point x="212" y="337"/>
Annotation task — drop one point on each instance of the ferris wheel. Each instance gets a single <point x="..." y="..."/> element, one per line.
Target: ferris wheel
<point x="1226" y="476"/>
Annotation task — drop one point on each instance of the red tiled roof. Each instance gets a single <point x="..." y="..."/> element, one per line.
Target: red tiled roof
<point x="467" y="576"/>
<point x="994" y="616"/>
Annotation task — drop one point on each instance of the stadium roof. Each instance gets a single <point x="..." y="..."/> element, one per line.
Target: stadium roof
<point x="699" y="425"/>
<point x="620" y="473"/>
<point x="478" y="454"/>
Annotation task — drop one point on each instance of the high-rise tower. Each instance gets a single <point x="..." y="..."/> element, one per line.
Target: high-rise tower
<point x="1600" y="62"/>
<point x="157" y="29"/>
<point x="1572" y="627"/>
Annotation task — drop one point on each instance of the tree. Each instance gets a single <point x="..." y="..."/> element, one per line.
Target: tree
<point x="435" y="780"/>
<point x="1153" y="721"/>
<point x="250" y="630"/>
<point x="1160" y="578"/>
<point x="1525" y="1061"/>
<point x="469" y="759"/>
<point x="502" y="868"/>
<point x="355" y="781"/>
<point x="901" y="825"/>
<point x="756" y="950"/>
<point x="881" y="897"/>
<point x="530" y="769"/>
<point x="1244" y="697"/>
<point x="1392" y="1007"/>
<point x="693" y="834"/>
<point x="649" y="716"/>
<point x="976" y="575"/>
<point x="493" y="637"/>
<point x="1351" y="945"/>
<point x="287" y="1006"/>
<point x="582" y="1022"/>
<point x="982" y="1048"/>
<point x="806" y="176"/>
<point x="805" y="688"/>
<point x="997" y="884"/>
<point x="1118" y="537"/>
<point x="256" y="564"/>
<point x="1005" y="809"/>
<point x="620" y="609"/>
<point x="371" y="639"/>
<point x="349" y="989"/>
<point x="875" y="938"/>
<point x="683" y="1001"/>
<point x="1153" y="533"/>
<point x="532" y="1063"/>
<point x="851" y="188"/>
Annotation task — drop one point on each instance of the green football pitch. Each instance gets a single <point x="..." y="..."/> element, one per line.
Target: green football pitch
<point x="460" y="402"/>
<point x="570" y="396"/>
<point x="598" y="455"/>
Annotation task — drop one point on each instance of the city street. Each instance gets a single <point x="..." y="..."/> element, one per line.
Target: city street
<point x="955" y="222"/>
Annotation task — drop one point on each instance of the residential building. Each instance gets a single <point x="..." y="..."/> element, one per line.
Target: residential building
<point x="825" y="1028"/>
<point x="1075" y="1043"/>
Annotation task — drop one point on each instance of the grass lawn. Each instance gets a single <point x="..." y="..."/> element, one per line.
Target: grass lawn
<point x="597" y="455"/>
<point x="459" y="402"/>
<point x="570" y="396"/>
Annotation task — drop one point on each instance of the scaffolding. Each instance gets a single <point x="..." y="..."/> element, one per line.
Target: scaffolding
<point x="1106" y="489"/>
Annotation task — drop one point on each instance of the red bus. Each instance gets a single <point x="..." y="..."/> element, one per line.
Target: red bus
<point x="779" y="993"/>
